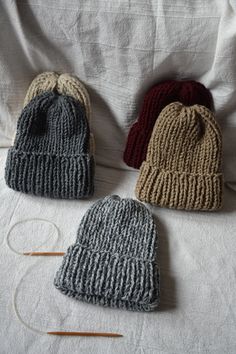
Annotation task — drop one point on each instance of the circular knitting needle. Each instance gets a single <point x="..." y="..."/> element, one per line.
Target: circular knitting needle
<point x="43" y="253"/>
<point x="85" y="334"/>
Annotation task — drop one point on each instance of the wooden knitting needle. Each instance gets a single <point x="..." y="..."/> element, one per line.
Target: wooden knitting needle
<point x="43" y="253"/>
<point x="86" y="334"/>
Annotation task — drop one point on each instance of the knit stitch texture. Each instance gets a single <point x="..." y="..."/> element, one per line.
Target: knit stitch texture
<point x="50" y="156"/>
<point x="183" y="165"/>
<point x="65" y="84"/>
<point x="158" y="97"/>
<point x="113" y="262"/>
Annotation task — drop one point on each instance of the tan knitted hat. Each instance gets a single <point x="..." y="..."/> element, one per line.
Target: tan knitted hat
<point x="183" y="163"/>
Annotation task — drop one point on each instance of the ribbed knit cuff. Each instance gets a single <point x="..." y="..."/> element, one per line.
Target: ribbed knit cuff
<point x="179" y="190"/>
<point x="136" y="147"/>
<point x="109" y="280"/>
<point x="50" y="175"/>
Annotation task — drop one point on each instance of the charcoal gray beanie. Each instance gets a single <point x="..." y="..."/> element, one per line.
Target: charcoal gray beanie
<point x="113" y="262"/>
<point x="50" y="156"/>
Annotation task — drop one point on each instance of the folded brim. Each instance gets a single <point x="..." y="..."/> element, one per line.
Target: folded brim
<point x="109" y="280"/>
<point x="179" y="190"/>
<point x="65" y="177"/>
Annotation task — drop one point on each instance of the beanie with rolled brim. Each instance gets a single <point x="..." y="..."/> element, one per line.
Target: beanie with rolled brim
<point x="183" y="164"/>
<point x="50" y="156"/>
<point x="113" y="262"/>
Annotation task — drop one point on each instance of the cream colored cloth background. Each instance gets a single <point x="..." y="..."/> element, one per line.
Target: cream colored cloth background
<point x="119" y="49"/>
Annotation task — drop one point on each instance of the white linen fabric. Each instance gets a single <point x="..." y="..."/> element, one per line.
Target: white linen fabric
<point x="119" y="49"/>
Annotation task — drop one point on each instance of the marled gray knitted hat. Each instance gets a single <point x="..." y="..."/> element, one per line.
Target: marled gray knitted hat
<point x="50" y="156"/>
<point x="113" y="262"/>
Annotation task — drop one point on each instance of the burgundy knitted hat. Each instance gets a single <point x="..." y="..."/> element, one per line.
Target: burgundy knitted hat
<point x="159" y="96"/>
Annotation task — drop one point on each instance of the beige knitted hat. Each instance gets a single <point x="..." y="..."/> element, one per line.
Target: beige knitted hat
<point x="183" y="163"/>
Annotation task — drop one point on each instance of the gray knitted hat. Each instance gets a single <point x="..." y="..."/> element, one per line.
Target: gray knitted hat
<point x="50" y="156"/>
<point x="113" y="262"/>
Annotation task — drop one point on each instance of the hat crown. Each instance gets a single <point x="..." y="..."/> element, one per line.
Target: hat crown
<point x="53" y="124"/>
<point x="188" y="92"/>
<point x="64" y="84"/>
<point x="186" y="139"/>
<point x="119" y="226"/>
<point x="155" y="100"/>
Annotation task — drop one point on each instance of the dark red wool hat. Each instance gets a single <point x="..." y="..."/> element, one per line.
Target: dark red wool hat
<point x="159" y="96"/>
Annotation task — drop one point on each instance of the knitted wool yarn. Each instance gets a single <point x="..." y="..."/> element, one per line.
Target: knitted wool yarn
<point x="113" y="262"/>
<point x="50" y="156"/>
<point x="183" y="165"/>
<point x="64" y="84"/>
<point x="158" y="97"/>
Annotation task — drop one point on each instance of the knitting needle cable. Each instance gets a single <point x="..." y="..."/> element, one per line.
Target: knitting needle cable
<point x="18" y="314"/>
<point x="58" y="332"/>
<point x="42" y="244"/>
